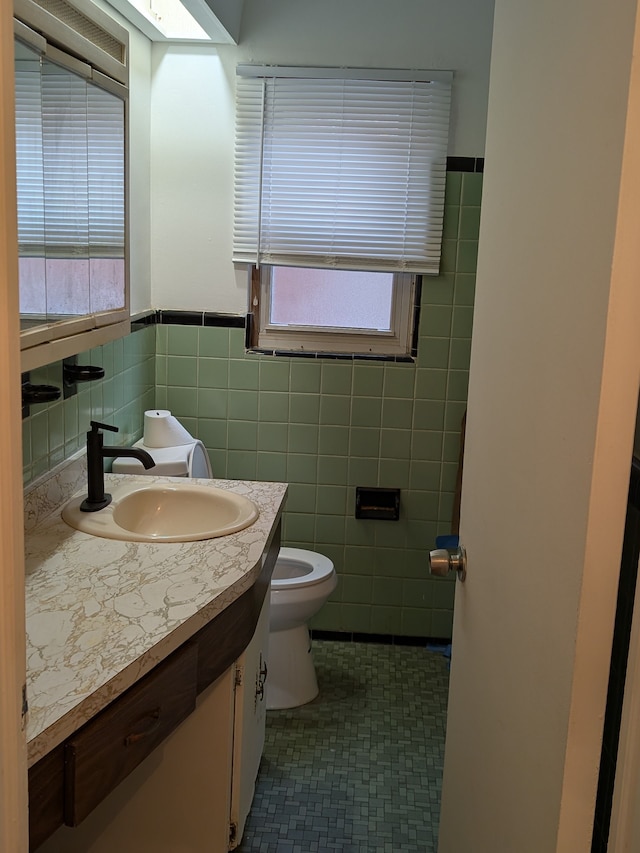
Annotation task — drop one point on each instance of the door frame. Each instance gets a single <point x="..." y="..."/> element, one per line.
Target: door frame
<point x="13" y="755"/>
<point x="624" y="831"/>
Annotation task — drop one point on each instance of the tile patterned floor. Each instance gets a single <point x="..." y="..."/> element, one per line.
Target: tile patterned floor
<point x="358" y="770"/>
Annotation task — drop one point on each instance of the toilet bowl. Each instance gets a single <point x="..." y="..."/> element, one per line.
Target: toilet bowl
<point x="301" y="583"/>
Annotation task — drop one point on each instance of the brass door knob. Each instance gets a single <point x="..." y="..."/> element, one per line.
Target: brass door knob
<point x="442" y="561"/>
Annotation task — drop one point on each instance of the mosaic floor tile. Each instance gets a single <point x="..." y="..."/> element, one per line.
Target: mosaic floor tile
<point x="359" y="769"/>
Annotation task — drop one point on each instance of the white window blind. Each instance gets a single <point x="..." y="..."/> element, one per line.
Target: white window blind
<point x="341" y="169"/>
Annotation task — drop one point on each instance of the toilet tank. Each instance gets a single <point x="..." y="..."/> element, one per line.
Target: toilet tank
<point x="185" y="460"/>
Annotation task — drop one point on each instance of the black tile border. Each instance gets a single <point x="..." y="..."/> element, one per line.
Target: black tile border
<point x="465" y="164"/>
<point x="228" y="321"/>
<point x="417" y="301"/>
<point x="381" y="639"/>
<point x="171" y="317"/>
<point x="199" y="318"/>
<point x="141" y="321"/>
<point x="181" y="318"/>
<point x="338" y="356"/>
<point x="233" y="321"/>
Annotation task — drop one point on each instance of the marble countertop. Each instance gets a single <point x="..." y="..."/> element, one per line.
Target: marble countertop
<point x="101" y="613"/>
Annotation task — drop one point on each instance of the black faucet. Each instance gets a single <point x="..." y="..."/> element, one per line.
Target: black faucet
<point x="96" y="498"/>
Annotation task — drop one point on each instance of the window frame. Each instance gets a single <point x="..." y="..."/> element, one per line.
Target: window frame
<point x="398" y="342"/>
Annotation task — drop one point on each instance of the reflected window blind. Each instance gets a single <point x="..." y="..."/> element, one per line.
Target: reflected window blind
<point x="64" y="148"/>
<point x="29" y="155"/>
<point x="105" y="171"/>
<point x="70" y="164"/>
<point x="341" y="169"/>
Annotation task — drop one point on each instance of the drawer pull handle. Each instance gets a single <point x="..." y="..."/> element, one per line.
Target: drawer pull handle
<point x="135" y="737"/>
<point x="261" y="677"/>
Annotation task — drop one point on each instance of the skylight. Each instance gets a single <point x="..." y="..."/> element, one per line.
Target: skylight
<point x="173" y="20"/>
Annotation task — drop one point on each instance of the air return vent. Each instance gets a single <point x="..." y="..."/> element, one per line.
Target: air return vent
<point x="80" y="28"/>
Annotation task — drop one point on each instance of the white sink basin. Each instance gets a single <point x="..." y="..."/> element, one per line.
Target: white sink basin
<point x="160" y="512"/>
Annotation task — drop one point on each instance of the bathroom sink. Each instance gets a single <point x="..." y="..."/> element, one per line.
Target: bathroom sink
<point x="161" y="512"/>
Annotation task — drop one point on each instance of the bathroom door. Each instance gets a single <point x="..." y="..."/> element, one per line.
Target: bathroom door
<point x="553" y="389"/>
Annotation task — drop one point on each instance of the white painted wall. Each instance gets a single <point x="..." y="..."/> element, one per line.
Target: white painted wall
<point x="192" y="117"/>
<point x="192" y="139"/>
<point x="140" y="171"/>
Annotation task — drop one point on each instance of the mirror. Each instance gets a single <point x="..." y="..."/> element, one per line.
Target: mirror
<point x="70" y="157"/>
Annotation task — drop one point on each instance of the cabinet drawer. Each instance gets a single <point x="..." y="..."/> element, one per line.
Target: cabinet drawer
<point x="109" y="747"/>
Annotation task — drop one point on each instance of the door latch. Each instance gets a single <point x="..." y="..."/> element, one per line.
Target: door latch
<point x="261" y="677"/>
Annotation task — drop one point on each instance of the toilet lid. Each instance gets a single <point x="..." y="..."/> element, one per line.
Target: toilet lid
<point x="296" y="567"/>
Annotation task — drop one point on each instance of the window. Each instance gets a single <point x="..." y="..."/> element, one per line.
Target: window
<point x="323" y="310"/>
<point x="339" y="171"/>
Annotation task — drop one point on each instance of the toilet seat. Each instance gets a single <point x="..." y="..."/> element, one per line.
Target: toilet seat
<point x="296" y="567"/>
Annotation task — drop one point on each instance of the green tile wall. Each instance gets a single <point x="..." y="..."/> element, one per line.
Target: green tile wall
<point x="55" y="431"/>
<point x="325" y="426"/>
<point x="322" y="426"/>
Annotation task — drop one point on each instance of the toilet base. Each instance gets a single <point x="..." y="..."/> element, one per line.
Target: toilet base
<point x="292" y="676"/>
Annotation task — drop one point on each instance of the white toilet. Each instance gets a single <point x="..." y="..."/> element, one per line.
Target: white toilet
<point x="301" y="583"/>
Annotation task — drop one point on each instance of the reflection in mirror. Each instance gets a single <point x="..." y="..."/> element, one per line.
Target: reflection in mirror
<point x="30" y="183"/>
<point x="105" y="167"/>
<point x="70" y="182"/>
<point x="66" y="203"/>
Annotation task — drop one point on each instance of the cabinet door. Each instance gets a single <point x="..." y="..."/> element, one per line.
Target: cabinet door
<point x="108" y="748"/>
<point x="177" y="800"/>
<point x="249" y="724"/>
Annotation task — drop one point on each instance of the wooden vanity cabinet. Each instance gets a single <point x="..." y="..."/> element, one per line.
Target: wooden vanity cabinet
<point x="174" y="704"/>
<point x="108" y="748"/>
<point x="46" y="796"/>
<point x="249" y="718"/>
